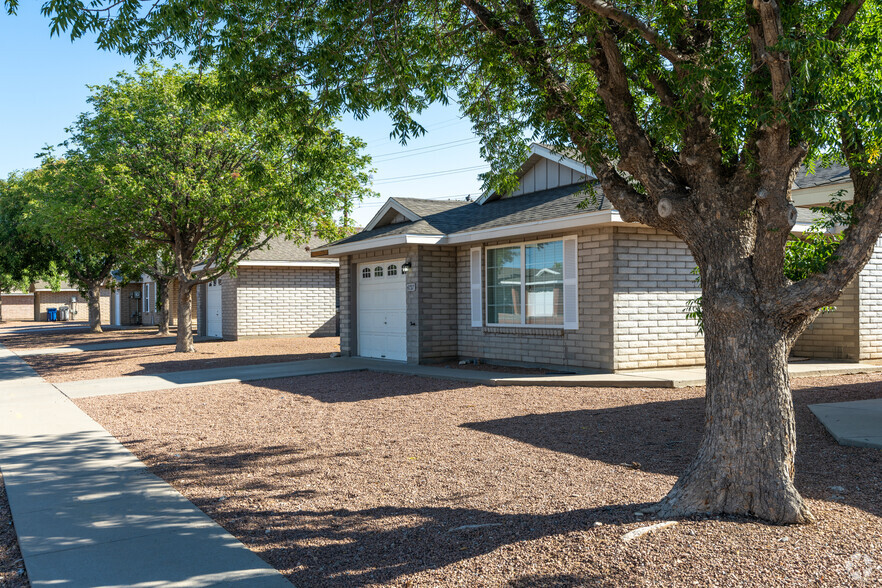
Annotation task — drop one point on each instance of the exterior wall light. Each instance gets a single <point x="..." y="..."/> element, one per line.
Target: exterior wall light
<point x="405" y="267"/>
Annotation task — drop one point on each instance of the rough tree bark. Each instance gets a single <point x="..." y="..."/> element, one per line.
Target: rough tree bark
<point x="184" y="342"/>
<point x="164" y="298"/>
<point x="94" y="304"/>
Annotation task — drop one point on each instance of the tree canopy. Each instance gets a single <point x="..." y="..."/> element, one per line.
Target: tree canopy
<point x="183" y="172"/>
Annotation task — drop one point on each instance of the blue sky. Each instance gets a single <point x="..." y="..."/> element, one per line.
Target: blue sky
<point x="44" y="88"/>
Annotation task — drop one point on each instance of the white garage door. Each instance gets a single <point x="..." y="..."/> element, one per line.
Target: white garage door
<point x="213" y="310"/>
<point x="382" y="310"/>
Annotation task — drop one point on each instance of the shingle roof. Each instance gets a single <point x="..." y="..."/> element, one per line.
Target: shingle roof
<point x="821" y="176"/>
<point x="446" y="218"/>
<point x="281" y="249"/>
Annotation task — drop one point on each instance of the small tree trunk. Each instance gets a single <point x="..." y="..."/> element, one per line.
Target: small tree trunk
<point x="745" y="464"/>
<point x="185" y="316"/>
<point x="95" y="309"/>
<point x="164" y="298"/>
<point x="1" y="309"/>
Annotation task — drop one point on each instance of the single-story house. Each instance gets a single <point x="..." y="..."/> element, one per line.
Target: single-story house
<point x="277" y="291"/>
<point x="140" y="299"/>
<point x="533" y="278"/>
<point x="67" y="295"/>
<point x="17" y="306"/>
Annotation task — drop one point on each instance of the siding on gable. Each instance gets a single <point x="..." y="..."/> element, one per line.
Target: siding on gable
<point x="545" y="175"/>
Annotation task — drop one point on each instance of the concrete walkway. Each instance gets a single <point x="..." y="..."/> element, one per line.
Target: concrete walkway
<point x="88" y="513"/>
<point x="662" y="378"/>
<point x="107" y="346"/>
<point x="857" y="424"/>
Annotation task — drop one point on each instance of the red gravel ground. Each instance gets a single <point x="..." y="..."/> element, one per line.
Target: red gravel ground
<point x="20" y="335"/>
<point x="371" y="479"/>
<point x="143" y="361"/>
<point x="12" y="570"/>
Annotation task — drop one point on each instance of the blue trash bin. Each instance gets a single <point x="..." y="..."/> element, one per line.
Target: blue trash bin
<point x="51" y="314"/>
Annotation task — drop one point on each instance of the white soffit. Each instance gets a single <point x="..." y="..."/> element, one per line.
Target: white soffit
<point x="390" y="241"/>
<point x="280" y="263"/>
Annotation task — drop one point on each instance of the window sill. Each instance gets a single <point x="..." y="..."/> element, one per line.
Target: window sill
<point x="525" y="330"/>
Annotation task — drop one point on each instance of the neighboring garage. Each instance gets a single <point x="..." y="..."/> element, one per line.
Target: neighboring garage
<point x="382" y="310"/>
<point x="214" y="308"/>
<point x="279" y="291"/>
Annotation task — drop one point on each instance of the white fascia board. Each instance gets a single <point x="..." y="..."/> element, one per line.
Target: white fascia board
<point x="542" y="151"/>
<point x="555" y="224"/>
<point x="390" y="204"/>
<point x="18" y="293"/>
<point x="820" y="195"/>
<point x="322" y="263"/>
<point x="59" y="290"/>
<point x="390" y="241"/>
<point x="800" y="227"/>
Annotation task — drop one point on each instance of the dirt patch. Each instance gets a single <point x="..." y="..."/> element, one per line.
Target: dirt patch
<point x="143" y="361"/>
<point x="375" y="479"/>
<point x="12" y="569"/>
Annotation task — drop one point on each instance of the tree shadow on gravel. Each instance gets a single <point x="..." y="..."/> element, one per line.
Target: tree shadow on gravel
<point x="660" y="436"/>
<point x="343" y="547"/>
<point x="663" y="437"/>
<point x="359" y="386"/>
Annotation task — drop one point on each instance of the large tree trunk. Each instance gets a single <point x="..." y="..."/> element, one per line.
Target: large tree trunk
<point x="95" y="309"/>
<point x="185" y="322"/>
<point x="164" y="298"/>
<point x="745" y="464"/>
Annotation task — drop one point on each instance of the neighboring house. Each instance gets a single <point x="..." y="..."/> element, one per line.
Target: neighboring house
<point x="125" y="305"/>
<point x="67" y="295"/>
<point x="278" y="291"/>
<point x="533" y="278"/>
<point x="144" y="298"/>
<point x="17" y="306"/>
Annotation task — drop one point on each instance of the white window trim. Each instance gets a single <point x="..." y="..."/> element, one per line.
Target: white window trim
<point x="526" y="325"/>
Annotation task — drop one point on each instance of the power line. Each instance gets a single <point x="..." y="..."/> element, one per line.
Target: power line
<point x="397" y="179"/>
<point x="433" y="127"/>
<point x="423" y="150"/>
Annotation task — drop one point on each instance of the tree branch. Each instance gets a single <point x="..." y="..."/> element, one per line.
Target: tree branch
<point x="629" y="21"/>
<point x="846" y="16"/>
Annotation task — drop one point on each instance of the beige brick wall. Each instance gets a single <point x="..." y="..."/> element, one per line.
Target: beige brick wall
<point x="279" y="302"/>
<point x="833" y="335"/>
<point x="18" y="308"/>
<point x="44" y="300"/>
<point x="590" y="346"/>
<point x="436" y="274"/>
<point x="870" y="296"/>
<point x="652" y="285"/>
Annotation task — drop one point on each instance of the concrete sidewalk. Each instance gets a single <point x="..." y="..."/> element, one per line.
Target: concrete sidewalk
<point x="856" y="424"/>
<point x="661" y="378"/>
<point x="107" y="346"/>
<point x="88" y="513"/>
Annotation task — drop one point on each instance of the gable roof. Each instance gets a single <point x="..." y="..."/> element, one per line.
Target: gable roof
<point x="821" y="176"/>
<point x="448" y="219"/>
<point x="281" y="249"/>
